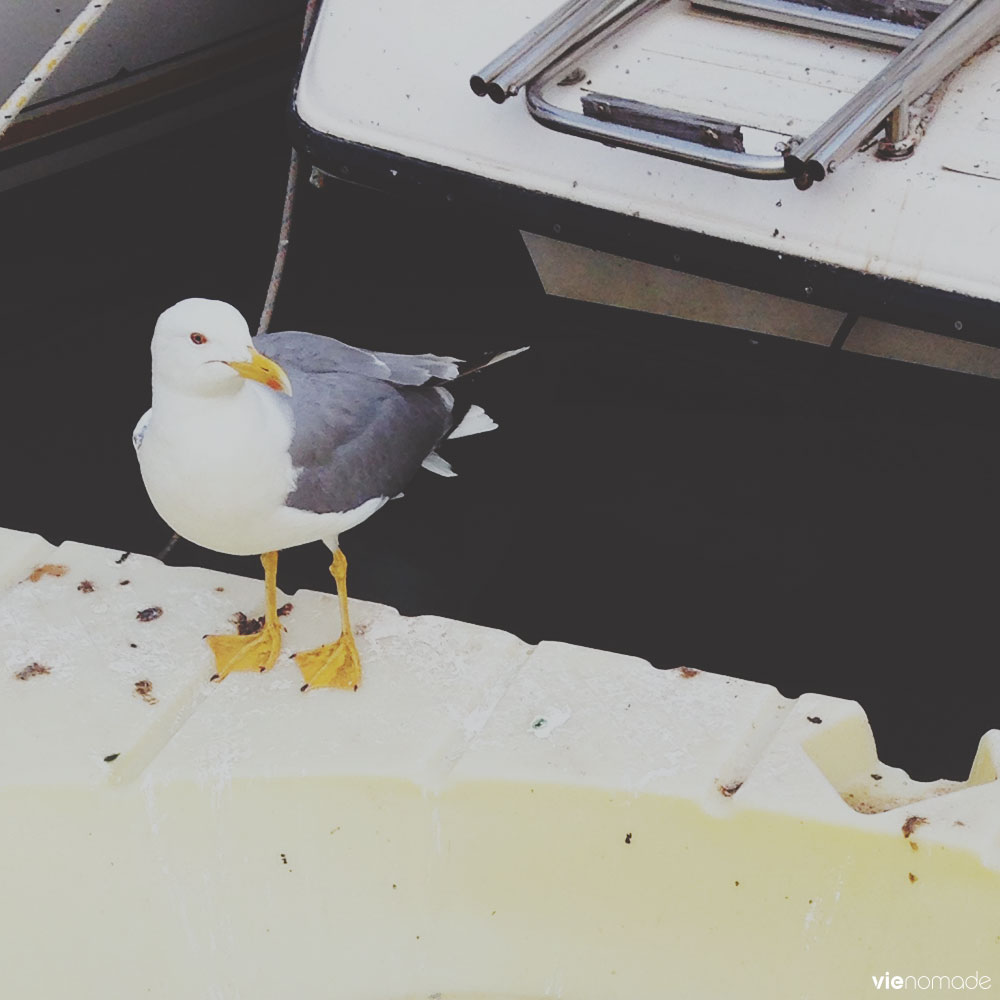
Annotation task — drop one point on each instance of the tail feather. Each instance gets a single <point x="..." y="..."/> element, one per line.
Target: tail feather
<point x="470" y="368"/>
<point x="438" y="465"/>
<point x="475" y="421"/>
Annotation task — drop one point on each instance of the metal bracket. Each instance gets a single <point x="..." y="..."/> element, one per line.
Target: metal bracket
<point x="926" y="55"/>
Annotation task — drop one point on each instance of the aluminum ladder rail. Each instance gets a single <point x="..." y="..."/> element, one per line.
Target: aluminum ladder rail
<point x="925" y="57"/>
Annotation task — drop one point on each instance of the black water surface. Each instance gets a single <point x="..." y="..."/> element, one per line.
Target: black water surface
<point x="689" y="495"/>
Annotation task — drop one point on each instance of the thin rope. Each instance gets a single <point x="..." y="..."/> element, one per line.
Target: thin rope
<point x="278" y="269"/>
<point x="47" y="65"/>
<point x="284" y="234"/>
<point x="166" y="550"/>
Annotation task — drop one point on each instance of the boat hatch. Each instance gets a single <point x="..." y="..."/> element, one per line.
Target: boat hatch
<point x="925" y="42"/>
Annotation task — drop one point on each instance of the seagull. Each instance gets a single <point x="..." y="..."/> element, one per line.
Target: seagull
<point x="256" y="444"/>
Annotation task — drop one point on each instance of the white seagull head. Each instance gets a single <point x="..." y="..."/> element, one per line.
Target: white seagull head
<point x="203" y="347"/>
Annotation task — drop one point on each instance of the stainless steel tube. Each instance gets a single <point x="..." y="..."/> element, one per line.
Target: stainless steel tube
<point x="940" y="48"/>
<point x="562" y="36"/>
<point x="833" y="22"/>
<point x="929" y="56"/>
<point x="597" y="35"/>
<point x="576" y="123"/>
<point x="962" y="42"/>
<point x="481" y="80"/>
<point x="879" y="84"/>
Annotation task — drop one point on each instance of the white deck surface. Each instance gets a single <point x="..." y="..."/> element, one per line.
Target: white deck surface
<point x="482" y="818"/>
<point x="394" y="75"/>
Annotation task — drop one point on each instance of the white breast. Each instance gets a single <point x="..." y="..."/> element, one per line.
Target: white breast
<point x="218" y="469"/>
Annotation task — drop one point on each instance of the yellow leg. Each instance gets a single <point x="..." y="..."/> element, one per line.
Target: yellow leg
<point x="336" y="664"/>
<point x="260" y="650"/>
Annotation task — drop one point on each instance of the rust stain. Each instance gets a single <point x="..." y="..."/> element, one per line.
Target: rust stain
<point x="863" y="806"/>
<point x="247" y="626"/>
<point x="144" y="689"/>
<point x="730" y="790"/>
<point x="149" y="614"/>
<point x="575" y="77"/>
<point x="85" y="587"/>
<point x="912" y="823"/>
<point x="251" y="626"/>
<point x="32" y="670"/>
<point x="49" y="569"/>
<point x="689" y="672"/>
<point x="913" y="878"/>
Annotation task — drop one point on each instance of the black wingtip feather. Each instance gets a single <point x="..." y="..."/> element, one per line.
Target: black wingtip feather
<point x="466" y="368"/>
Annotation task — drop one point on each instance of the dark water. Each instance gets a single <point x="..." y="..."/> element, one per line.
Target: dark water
<point x="818" y="522"/>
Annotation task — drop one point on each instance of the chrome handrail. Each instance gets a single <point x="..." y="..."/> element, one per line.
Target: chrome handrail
<point x="830" y="22"/>
<point x="940" y="48"/>
<point x="575" y="123"/>
<point x="923" y="61"/>
<point x="530" y="54"/>
<point x="480" y="82"/>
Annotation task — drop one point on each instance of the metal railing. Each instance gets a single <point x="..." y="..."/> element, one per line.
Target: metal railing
<point x="925" y="58"/>
<point x="827" y="20"/>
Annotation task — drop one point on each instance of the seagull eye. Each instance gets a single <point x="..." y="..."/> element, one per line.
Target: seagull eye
<point x="199" y="338"/>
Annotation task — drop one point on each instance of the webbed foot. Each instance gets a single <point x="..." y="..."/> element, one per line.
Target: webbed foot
<point x="335" y="665"/>
<point x="259" y="650"/>
<point x="245" y="652"/>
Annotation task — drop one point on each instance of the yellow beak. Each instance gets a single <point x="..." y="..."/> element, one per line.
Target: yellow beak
<point x="261" y="369"/>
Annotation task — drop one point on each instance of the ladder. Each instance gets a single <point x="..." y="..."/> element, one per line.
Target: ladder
<point x="931" y="40"/>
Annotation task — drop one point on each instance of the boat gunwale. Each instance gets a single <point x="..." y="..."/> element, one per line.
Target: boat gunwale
<point x="946" y="313"/>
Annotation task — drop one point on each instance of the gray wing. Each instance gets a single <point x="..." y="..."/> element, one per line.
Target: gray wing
<point x="357" y="435"/>
<point x="309" y="352"/>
